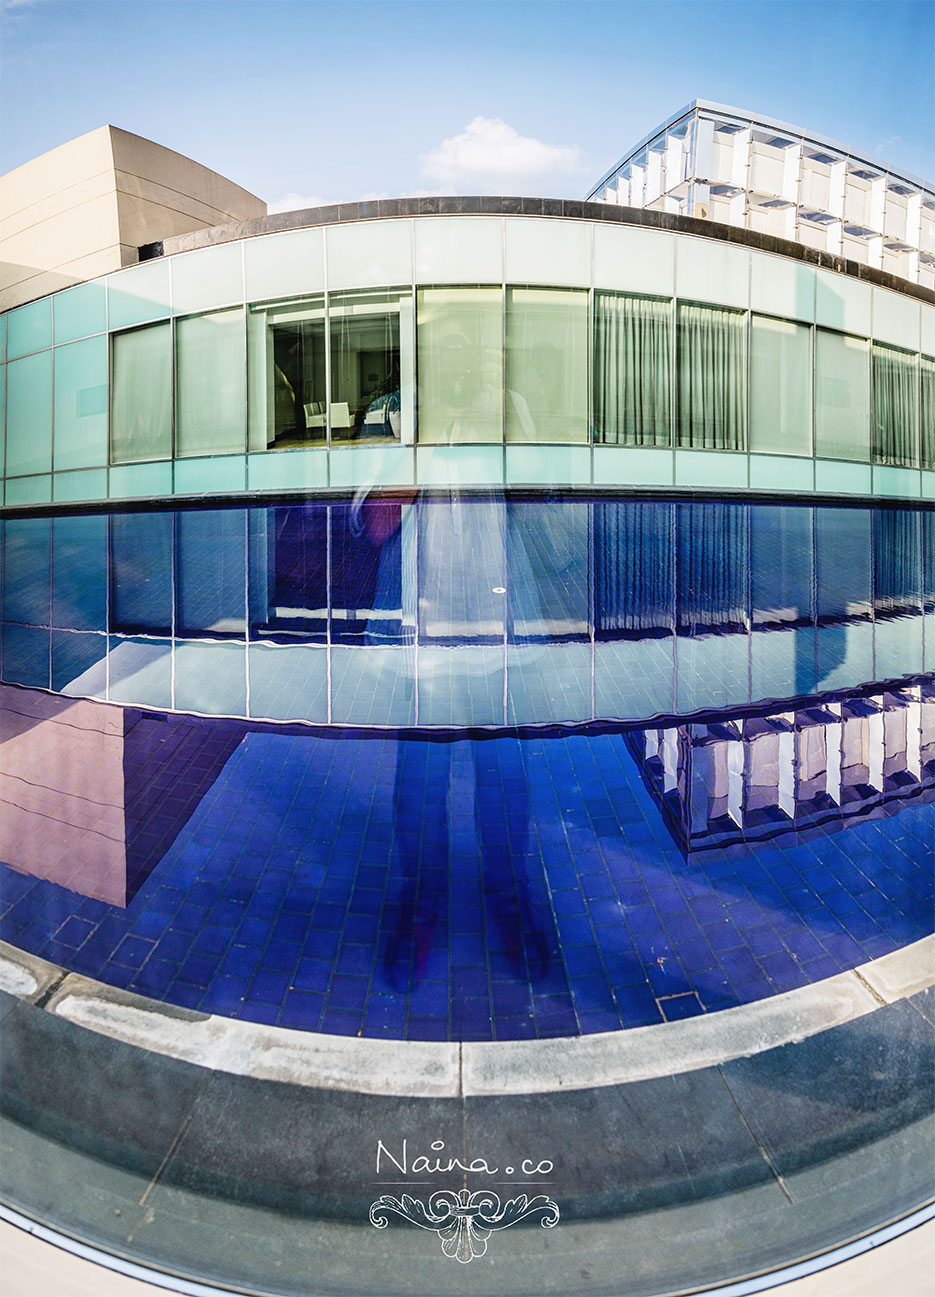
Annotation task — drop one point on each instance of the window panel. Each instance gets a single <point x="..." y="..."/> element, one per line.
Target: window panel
<point x="210" y="384"/>
<point x="546" y="364"/>
<point x="366" y="572"/>
<point x="81" y="403"/>
<point x="842" y="413"/>
<point x="711" y="369"/>
<point x="80" y="311"/>
<point x="460" y="350"/>
<point x="895" y="407"/>
<point x="780" y="387"/>
<point x="371" y="367"/>
<point x="209" y="277"/>
<point x="138" y="294"/>
<point x="288" y="571"/>
<point x="29" y="328"/>
<point x="288" y="400"/>
<point x="632" y="369"/>
<point x="29" y="415"/>
<point x="844" y="568"/>
<point x="141" y="395"/>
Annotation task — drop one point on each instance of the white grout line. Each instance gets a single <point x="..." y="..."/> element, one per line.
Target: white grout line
<point x="430" y="1069"/>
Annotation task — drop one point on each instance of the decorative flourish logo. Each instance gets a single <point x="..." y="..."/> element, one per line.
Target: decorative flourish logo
<point x="464" y="1219"/>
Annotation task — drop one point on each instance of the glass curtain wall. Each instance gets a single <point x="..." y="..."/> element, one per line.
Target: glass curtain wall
<point x="895" y="406"/>
<point x="287" y="375"/>
<point x="711" y="364"/>
<point x="371" y="366"/>
<point x="141" y="395"/>
<point x="842" y="408"/>
<point x="632" y="369"/>
<point x="495" y="365"/>
<point x="460" y="358"/>
<point x="546" y="364"/>
<point x="780" y="387"/>
<point x="209" y="375"/>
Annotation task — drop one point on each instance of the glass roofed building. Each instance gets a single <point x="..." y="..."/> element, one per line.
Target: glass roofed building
<point x="754" y="173"/>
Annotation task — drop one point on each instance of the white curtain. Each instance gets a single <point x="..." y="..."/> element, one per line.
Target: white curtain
<point x="141" y="395"/>
<point x="780" y="387"/>
<point x="711" y="359"/>
<point x="895" y="407"/>
<point x="210" y="384"/>
<point x="460" y="359"/>
<point x="842" y="409"/>
<point x="632" y="370"/>
<point x="547" y="364"/>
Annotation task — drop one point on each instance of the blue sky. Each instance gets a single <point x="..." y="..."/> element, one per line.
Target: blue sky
<point x="301" y="100"/>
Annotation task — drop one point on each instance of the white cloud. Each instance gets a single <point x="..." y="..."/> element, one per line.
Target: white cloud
<point x="296" y="203"/>
<point x="489" y="150"/>
<point x="883" y="148"/>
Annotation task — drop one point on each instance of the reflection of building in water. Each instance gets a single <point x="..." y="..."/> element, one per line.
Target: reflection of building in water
<point x="733" y="780"/>
<point x="92" y="796"/>
<point x="564" y="610"/>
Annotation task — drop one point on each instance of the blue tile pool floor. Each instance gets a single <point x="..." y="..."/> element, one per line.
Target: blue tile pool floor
<point x="475" y="889"/>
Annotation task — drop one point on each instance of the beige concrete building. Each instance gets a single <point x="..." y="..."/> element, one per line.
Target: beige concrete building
<point x="86" y="207"/>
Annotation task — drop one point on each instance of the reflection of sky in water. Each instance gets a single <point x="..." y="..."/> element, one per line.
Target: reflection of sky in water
<point x="502" y="887"/>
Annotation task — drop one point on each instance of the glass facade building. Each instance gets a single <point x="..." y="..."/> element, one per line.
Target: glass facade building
<point x="476" y="350"/>
<point x="439" y="638"/>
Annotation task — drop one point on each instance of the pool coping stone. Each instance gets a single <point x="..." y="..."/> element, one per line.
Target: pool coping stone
<point x="402" y="1068"/>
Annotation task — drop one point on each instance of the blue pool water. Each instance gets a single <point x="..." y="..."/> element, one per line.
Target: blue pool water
<point x="563" y="766"/>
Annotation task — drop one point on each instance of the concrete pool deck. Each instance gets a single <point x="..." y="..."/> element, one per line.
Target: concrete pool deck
<point x="904" y="1265"/>
<point x="682" y="1156"/>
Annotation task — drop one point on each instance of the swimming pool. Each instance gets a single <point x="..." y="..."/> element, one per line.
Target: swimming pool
<point x="468" y="767"/>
